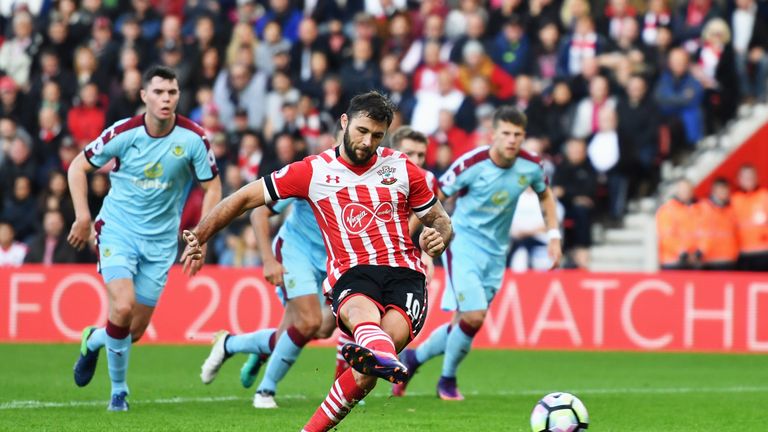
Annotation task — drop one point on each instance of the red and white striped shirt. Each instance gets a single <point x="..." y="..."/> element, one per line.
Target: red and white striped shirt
<point x="362" y="210"/>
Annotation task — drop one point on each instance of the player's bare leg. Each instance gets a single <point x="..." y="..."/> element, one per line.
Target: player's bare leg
<point x="352" y="386"/>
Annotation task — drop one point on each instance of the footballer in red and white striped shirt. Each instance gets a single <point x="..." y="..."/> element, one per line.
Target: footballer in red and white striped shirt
<point x="362" y="196"/>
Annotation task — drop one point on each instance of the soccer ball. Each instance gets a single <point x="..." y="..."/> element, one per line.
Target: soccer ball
<point x="559" y="412"/>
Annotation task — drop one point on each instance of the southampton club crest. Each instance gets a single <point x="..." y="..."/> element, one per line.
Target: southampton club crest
<point x="387" y="174"/>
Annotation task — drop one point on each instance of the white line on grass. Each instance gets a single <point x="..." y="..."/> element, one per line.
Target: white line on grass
<point x="35" y="404"/>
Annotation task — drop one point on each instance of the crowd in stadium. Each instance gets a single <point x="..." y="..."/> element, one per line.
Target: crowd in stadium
<point x="610" y="89"/>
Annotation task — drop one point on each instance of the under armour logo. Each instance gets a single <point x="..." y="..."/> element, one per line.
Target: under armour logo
<point x="329" y="178"/>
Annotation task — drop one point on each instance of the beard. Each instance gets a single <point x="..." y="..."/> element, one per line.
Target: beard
<point x="352" y="154"/>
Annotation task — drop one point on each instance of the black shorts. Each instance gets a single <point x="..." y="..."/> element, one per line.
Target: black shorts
<point x="398" y="288"/>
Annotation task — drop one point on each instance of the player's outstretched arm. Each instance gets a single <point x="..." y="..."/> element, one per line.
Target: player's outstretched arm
<point x="212" y="196"/>
<point x="273" y="270"/>
<point x="549" y="211"/>
<point x="78" y="188"/>
<point x="438" y="232"/>
<point x="247" y="197"/>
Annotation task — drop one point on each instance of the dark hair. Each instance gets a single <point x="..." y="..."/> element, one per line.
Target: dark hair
<point x="406" y="132"/>
<point x="721" y="181"/>
<point x="509" y="114"/>
<point x="163" y="72"/>
<point x="747" y="166"/>
<point x="373" y="105"/>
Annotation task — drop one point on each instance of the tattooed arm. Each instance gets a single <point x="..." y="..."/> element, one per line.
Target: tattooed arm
<point x="437" y="232"/>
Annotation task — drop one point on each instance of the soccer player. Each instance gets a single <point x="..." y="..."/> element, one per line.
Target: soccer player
<point x="361" y="195"/>
<point x="157" y="156"/>
<point x="297" y="268"/>
<point x="488" y="182"/>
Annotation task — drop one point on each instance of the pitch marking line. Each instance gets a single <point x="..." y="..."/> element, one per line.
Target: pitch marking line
<point x="35" y="404"/>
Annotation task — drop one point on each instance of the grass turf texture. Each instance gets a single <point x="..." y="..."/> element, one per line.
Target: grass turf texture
<point x="622" y="391"/>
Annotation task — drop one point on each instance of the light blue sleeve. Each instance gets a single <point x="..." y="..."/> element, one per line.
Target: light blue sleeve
<point x="203" y="160"/>
<point x="107" y="146"/>
<point x="279" y="206"/>
<point x="539" y="180"/>
<point x="455" y="178"/>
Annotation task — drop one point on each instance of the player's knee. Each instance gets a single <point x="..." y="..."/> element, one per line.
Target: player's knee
<point x="474" y="319"/>
<point x="122" y="309"/>
<point x="309" y="324"/>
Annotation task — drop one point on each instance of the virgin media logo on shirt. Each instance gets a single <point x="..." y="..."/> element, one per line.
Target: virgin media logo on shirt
<point x="357" y="217"/>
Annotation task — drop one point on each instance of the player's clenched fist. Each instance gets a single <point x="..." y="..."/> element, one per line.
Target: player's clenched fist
<point x="193" y="255"/>
<point x="431" y="242"/>
<point x="80" y="233"/>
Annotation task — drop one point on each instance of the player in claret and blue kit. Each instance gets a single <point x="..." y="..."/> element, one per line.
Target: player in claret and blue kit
<point x="487" y="182"/>
<point x="158" y="156"/>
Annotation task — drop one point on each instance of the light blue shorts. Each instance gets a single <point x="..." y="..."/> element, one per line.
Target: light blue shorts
<point x="145" y="260"/>
<point x="473" y="277"/>
<point x="304" y="268"/>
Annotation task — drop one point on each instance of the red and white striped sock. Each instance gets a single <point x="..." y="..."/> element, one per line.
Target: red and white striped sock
<point x="371" y="336"/>
<point x="341" y="364"/>
<point x="342" y="397"/>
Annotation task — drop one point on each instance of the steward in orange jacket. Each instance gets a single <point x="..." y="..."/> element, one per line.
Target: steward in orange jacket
<point x="676" y="226"/>
<point x="751" y="208"/>
<point x="717" y="236"/>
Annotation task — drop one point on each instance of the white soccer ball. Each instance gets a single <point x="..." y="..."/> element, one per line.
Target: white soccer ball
<point x="559" y="412"/>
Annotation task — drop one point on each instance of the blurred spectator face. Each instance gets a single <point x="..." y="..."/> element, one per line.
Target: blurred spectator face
<point x="332" y="87"/>
<point x="445" y="81"/>
<point x="716" y="32"/>
<point x="433" y="27"/>
<point x="307" y="31"/>
<point x="241" y="120"/>
<point x="284" y="149"/>
<point x="57" y="31"/>
<point x="172" y="56"/>
<point x="204" y="96"/>
<point x="636" y="89"/>
<point x="513" y="32"/>
<point x="589" y="68"/>
<point x="318" y="63"/>
<point x="684" y="191"/>
<point x="606" y="120"/>
<point x="91" y="5"/>
<point x="415" y="150"/>
<point x="576" y="151"/>
<point x="533" y="145"/>
<point x="48" y="118"/>
<point x="399" y="27"/>
<point x="246" y="56"/>
<point x="660" y="6"/>
<point x="102" y="30"/>
<point x="361" y="50"/>
<point x="432" y="53"/>
<point x="747" y="178"/>
<point x="210" y="60"/>
<point x="51" y="93"/>
<point x="85" y="60"/>
<point x="479" y="88"/>
<point x="22" y="25"/>
<point x="53" y="224"/>
<point x="171" y="28"/>
<point x="99" y="185"/>
<point x="239" y="76"/>
<point x="22" y="188"/>
<point x="475" y="26"/>
<point x="19" y="152"/>
<point x="129" y="59"/>
<point x="6" y="235"/>
<point x="278" y="6"/>
<point x="204" y="29"/>
<point x="161" y="97"/>
<point x="89" y="95"/>
<point x="664" y="37"/>
<point x="232" y="177"/>
<point x="598" y="89"/>
<point x="389" y="64"/>
<point x="67" y="152"/>
<point x="140" y="6"/>
<point x="549" y="35"/>
<point x="280" y="82"/>
<point x="619" y="7"/>
<point x="306" y="106"/>
<point x="721" y="191"/>
<point x="66" y="7"/>
<point x="272" y="32"/>
<point x="678" y="62"/>
<point x="364" y="27"/>
<point x="399" y="82"/>
<point x="444" y="156"/>
<point x="290" y="112"/>
<point x="132" y="82"/>
<point x="8" y="91"/>
<point x="250" y="144"/>
<point x="131" y="30"/>
<point x="473" y="53"/>
<point x="579" y="8"/>
<point x="57" y="183"/>
<point x="629" y="29"/>
<point x="219" y="145"/>
<point x="584" y="26"/>
<point x="561" y="94"/>
<point x="7" y="129"/>
<point x="49" y="64"/>
<point x="524" y="87"/>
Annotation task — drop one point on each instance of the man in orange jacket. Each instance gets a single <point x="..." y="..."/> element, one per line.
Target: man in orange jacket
<point x="676" y="222"/>
<point x="751" y="208"/>
<point x="717" y="236"/>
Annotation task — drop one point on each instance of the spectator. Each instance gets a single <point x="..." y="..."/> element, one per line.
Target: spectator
<point x="104" y="47"/>
<point x="529" y="235"/>
<point x="511" y="49"/>
<point x="689" y="21"/>
<point x="360" y="73"/>
<point x="676" y="229"/>
<point x="750" y="204"/>
<point x="680" y="96"/>
<point x="51" y="70"/>
<point x="447" y="134"/>
<point x="172" y="56"/>
<point x="434" y="31"/>
<point x="86" y="120"/>
<point x="475" y="32"/>
<point x="11" y="103"/>
<point x="283" y="92"/>
<point x="334" y="100"/>
<point x="609" y="154"/>
<point x="717" y="236"/>
<point x="87" y="70"/>
<point x="558" y="117"/>
<point x="399" y="36"/>
<point x="429" y="103"/>
<point x="313" y="86"/>
<point x="479" y="95"/>
<point x="60" y="41"/>
<point x="19" y="162"/>
<point x="97" y="191"/>
<point x="477" y="64"/>
<point x="18" y="53"/>
<point x="240" y="86"/>
<point x="716" y="71"/>
<point x="586" y="120"/>
<point x="49" y="138"/>
<point x="572" y="11"/>
<point x="50" y="246"/>
<point x="242" y="250"/>
<point x="545" y="55"/>
<point x="655" y="18"/>
<point x="617" y="14"/>
<point x="575" y="185"/>
<point x="207" y="69"/>
<point x="282" y="12"/>
<point x="639" y="124"/>
<point x="20" y="209"/>
<point x="527" y="101"/>
<point x="12" y="252"/>
<point x="146" y="17"/>
<point x="301" y="51"/>
<point x="750" y="42"/>
<point x="56" y="197"/>
<point x="127" y="102"/>
<point x="250" y="156"/>
<point x="583" y="43"/>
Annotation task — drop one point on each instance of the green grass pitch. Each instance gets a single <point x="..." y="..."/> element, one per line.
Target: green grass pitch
<point x="622" y="391"/>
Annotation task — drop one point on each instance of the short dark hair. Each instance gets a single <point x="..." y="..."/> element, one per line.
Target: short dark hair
<point x="509" y="114"/>
<point x="407" y="132"/>
<point x="721" y="181"/>
<point x="373" y="105"/>
<point x="163" y="72"/>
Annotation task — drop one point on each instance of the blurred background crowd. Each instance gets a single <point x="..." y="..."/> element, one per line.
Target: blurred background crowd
<point x="611" y="88"/>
